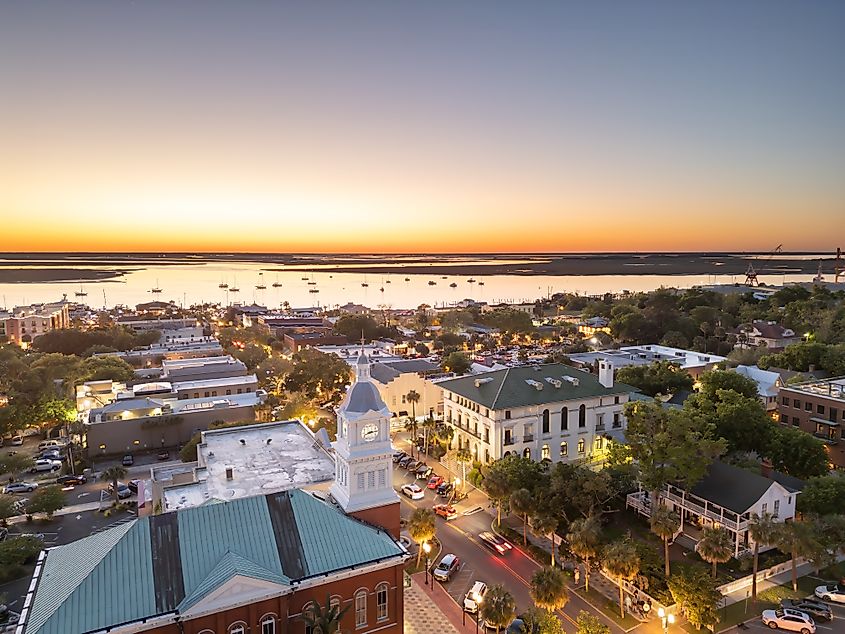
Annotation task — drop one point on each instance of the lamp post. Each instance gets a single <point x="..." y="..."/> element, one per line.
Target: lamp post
<point x="478" y="599"/>
<point x="665" y="619"/>
<point x="427" y="550"/>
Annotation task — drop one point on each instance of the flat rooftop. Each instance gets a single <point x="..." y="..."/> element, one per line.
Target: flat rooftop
<point x="173" y="364"/>
<point x="644" y="355"/>
<point x="210" y="383"/>
<point x="831" y="388"/>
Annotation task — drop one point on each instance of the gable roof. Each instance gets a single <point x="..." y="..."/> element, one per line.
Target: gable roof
<point x="738" y="489"/>
<point x="766" y="380"/>
<point x="518" y="387"/>
<point x="162" y="563"/>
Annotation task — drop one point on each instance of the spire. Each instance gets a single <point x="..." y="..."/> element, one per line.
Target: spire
<point x="362" y="367"/>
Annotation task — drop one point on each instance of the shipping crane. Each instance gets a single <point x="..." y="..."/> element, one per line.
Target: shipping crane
<point x="751" y="272"/>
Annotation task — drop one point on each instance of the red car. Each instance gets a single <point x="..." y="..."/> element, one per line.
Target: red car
<point x="435" y="481"/>
<point x="445" y="511"/>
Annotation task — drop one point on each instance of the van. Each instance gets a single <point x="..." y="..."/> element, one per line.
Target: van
<point x="474" y="596"/>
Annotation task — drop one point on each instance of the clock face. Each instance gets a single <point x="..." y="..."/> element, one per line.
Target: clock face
<point x="369" y="432"/>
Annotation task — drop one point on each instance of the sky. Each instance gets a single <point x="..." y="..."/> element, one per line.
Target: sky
<point x="430" y="126"/>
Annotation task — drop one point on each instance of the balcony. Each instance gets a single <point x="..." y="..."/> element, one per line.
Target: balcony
<point x="826" y="438"/>
<point x="528" y="438"/>
<point x="600" y="427"/>
<point x="508" y="441"/>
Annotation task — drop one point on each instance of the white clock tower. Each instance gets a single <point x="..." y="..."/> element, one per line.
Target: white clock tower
<point x="363" y="483"/>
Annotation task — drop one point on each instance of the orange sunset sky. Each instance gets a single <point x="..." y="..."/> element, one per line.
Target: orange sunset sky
<point x="348" y="127"/>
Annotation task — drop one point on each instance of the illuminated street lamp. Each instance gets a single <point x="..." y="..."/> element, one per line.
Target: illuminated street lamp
<point x="665" y="619"/>
<point x="478" y="599"/>
<point x="427" y="550"/>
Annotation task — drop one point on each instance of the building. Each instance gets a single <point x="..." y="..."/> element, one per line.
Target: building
<point x="396" y="379"/>
<point x="296" y="341"/>
<point x="727" y="496"/>
<point x="249" y="565"/>
<point x="695" y="363"/>
<point x="377" y="351"/>
<point x="767" y="334"/>
<point x="140" y="323"/>
<point x="768" y="384"/>
<point x="201" y="368"/>
<point x="818" y="408"/>
<point x="169" y="350"/>
<point x="589" y="327"/>
<point x="235" y="462"/>
<point x="23" y="324"/>
<point x="544" y="412"/>
<point x="351" y="308"/>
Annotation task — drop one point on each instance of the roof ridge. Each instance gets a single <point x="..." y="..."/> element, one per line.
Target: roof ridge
<point x="501" y="385"/>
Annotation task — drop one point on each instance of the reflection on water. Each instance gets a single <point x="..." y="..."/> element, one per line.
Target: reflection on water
<point x="188" y="284"/>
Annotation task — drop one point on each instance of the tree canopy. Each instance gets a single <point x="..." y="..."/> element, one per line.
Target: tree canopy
<point x="660" y="377"/>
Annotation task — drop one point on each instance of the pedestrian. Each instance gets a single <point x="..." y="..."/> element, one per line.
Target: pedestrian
<point x="577" y="575"/>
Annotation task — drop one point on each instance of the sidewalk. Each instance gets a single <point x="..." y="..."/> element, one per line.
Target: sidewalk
<point x="438" y="611"/>
<point x="68" y="510"/>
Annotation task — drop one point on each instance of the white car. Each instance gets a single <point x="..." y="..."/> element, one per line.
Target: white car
<point x="474" y="596"/>
<point x="787" y="619"/>
<point x="45" y="464"/>
<point x="413" y="491"/>
<point x="831" y="592"/>
<point x="20" y="487"/>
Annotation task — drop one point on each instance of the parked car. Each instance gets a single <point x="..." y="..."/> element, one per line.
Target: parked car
<point x="16" y="441"/>
<point x="445" y="511"/>
<point x="445" y="489"/>
<point x="447" y="567"/>
<point x="496" y="543"/>
<point x="403" y="462"/>
<point x="423" y="472"/>
<point x="123" y="490"/>
<point x="44" y="444"/>
<point x="8" y="619"/>
<point x="71" y="480"/>
<point x="816" y="609"/>
<point x="163" y="455"/>
<point x="133" y="486"/>
<point x="398" y="455"/>
<point x="45" y="465"/>
<point x="474" y="596"/>
<point x="51" y="455"/>
<point x="128" y="460"/>
<point x="20" y="487"/>
<point x="413" y="491"/>
<point x="434" y="481"/>
<point x="786" y="619"/>
<point x="411" y="466"/>
<point x="831" y="592"/>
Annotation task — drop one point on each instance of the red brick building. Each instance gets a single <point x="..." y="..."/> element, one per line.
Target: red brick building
<point x="818" y="408"/>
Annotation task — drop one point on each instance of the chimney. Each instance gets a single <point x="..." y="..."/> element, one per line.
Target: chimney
<point x="230" y="473"/>
<point x="766" y="468"/>
<point x="605" y="373"/>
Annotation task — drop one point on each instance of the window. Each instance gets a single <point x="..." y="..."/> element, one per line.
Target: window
<point x="582" y="416"/>
<point x="808" y="406"/>
<point x="382" y="477"/>
<point x="381" y="602"/>
<point x="785" y="400"/>
<point x="371" y="479"/>
<point x="765" y="506"/>
<point x="360" y="481"/>
<point x="599" y="442"/>
<point x="545" y="453"/>
<point x="581" y="447"/>
<point x="360" y="608"/>
<point x="487" y="434"/>
<point x="784" y="418"/>
<point x="564" y="419"/>
<point x="335" y="602"/>
<point x="526" y="453"/>
<point x="600" y="422"/>
<point x="308" y="609"/>
<point x="617" y="420"/>
<point x="616" y="400"/>
<point x="564" y="450"/>
<point x="795" y="421"/>
<point x="507" y="414"/>
<point x="268" y="625"/>
<point x="237" y="628"/>
<point x="508" y="438"/>
<point x="796" y="403"/>
<point x="545" y="421"/>
<point x="819" y="409"/>
<point x="777" y="508"/>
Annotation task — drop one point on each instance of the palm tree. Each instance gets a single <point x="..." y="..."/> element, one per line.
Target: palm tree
<point x="463" y="456"/>
<point x="498" y="607"/>
<point x="716" y="546"/>
<point x="445" y="433"/>
<point x="324" y="619"/>
<point x="664" y="523"/>
<point x="622" y="561"/>
<point x="548" y="589"/>
<point x="546" y="524"/>
<point x="114" y="474"/>
<point x="421" y="528"/>
<point x="522" y="503"/>
<point x="764" y="532"/>
<point x="413" y="397"/>
<point x="428" y="426"/>
<point x="797" y="539"/>
<point x="583" y="538"/>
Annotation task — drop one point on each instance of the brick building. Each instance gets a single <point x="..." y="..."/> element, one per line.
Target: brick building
<point x="818" y="408"/>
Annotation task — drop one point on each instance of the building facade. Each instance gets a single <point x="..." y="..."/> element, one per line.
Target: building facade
<point x="23" y="324"/>
<point x="818" y="408"/>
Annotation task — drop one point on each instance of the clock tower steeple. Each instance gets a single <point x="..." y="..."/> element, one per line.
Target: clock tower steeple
<point x="363" y="484"/>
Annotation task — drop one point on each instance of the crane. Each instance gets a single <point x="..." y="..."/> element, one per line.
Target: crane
<point x="751" y="273"/>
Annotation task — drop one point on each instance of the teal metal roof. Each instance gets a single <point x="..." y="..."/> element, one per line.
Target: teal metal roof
<point x="229" y="566"/>
<point x="511" y="387"/>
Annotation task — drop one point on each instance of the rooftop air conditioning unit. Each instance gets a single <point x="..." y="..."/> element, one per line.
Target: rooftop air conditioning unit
<point x="480" y="382"/>
<point x="572" y="380"/>
<point x="554" y="382"/>
<point x="535" y="384"/>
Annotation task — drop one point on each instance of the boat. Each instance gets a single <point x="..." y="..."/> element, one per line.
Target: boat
<point x="260" y="286"/>
<point x="443" y="278"/>
<point x="407" y="279"/>
<point x="453" y="285"/>
<point x="305" y="279"/>
<point x="222" y="285"/>
<point x="81" y="292"/>
<point x="156" y="288"/>
<point x="313" y="290"/>
<point x="382" y="289"/>
<point x="277" y="283"/>
<point x="234" y="288"/>
<point x="432" y="283"/>
<point x="481" y="283"/>
<point x="471" y="280"/>
<point x="311" y="282"/>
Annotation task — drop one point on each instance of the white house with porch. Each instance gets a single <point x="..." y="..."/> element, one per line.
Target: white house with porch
<point x="727" y="496"/>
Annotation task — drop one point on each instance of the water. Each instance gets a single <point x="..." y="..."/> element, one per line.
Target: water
<point x="187" y="284"/>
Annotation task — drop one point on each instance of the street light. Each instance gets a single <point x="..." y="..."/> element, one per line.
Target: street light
<point x="665" y="619"/>
<point x="478" y="599"/>
<point x="427" y="550"/>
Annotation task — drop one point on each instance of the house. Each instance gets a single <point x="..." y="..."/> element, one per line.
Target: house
<point x="818" y="408"/>
<point x="727" y="496"/>
<point x="589" y="327"/>
<point x="396" y="379"/>
<point x="695" y="363"/>
<point x="768" y="384"/>
<point x="767" y="334"/>
<point x="544" y="412"/>
<point x="351" y="308"/>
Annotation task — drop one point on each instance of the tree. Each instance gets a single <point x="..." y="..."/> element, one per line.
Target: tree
<point x="622" y="561"/>
<point x="546" y="524"/>
<point x="104" y="368"/>
<point x="272" y="373"/>
<point x="590" y="624"/>
<point x="497" y="486"/>
<point x="716" y="546"/>
<point x="548" y="589"/>
<point x="413" y="397"/>
<point x="796" y="453"/>
<point x="583" y="538"/>
<point x="16" y="551"/>
<point x="113" y="474"/>
<point x="456" y="362"/>
<point x="710" y="383"/>
<point x="664" y="523"/>
<point x="823" y="495"/>
<point x="537" y="621"/>
<point x="522" y="503"/>
<point x="799" y="540"/>
<point x="321" y="377"/>
<point x="325" y="618"/>
<point x="464" y="457"/>
<point x="763" y="531"/>
<point x="47" y="500"/>
<point x="696" y="595"/>
<point x="7" y="507"/>
<point x="14" y="463"/>
<point x="498" y="607"/>
<point x="421" y="349"/>
<point x="429" y="425"/>
<point x="740" y="419"/>
<point x="660" y="377"/>
<point x="421" y="528"/>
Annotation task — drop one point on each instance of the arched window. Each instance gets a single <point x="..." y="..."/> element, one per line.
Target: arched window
<point x="599" y="442"/>
<point x="507" y="453"/>
<point x="360" y="608"/>
<point x="564" y="450"/>
<point x="545" y="421"/>
<point x="526" y="453"/>
<point x="237" y="628"/>
<point x="334" y="602"/>
<point x="582" y="416"/>
<point x="381" y="602"/>
<point x="486" y="455"/>
<point x="308" y="610"/>
<point x="581" y="446"/>
<point x="268" y="624"/>
<point x="564" y="419"/>
<point x="545" y="453"/>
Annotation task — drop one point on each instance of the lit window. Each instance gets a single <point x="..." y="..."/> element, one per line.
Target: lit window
<point x="381" y="602"/>
<point x="564" y="450"/>
<point x="268" y="625"/>
<point x="545" y="453"/>
<point x="581" y="446"/>
<point x="360" y="608"/>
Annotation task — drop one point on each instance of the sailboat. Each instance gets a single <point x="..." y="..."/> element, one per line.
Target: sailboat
<point x="277" y="283"/>
<point x="234" y="288"/>
<point x="481" y="283"/>
<point x="260" y="286"/>
<point x="222" y="285"/>
<point x="311" y="282"/>
<point x="305" y="278"/>
<point x="471" y="280"/>
<point x="453" y="285"/>
<point x="156" y="288"/>
<point x="364" y="283"/>
<point x="81" y="292"/>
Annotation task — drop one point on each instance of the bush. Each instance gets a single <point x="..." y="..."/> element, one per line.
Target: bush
<point x="17" y="551"/>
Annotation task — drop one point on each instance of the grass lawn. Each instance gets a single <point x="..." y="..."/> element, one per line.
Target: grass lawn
<point x="607" y="607"/>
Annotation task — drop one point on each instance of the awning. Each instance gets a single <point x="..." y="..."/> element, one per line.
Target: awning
<point x="824" y="421"/>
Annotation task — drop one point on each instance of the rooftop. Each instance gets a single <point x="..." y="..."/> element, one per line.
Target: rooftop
<point x="644" y="355"/>
<point x="739" y="489"/>
<point x="385" y="371"/>
<point x="212" y="383"/>
<point x="831" y="388"/>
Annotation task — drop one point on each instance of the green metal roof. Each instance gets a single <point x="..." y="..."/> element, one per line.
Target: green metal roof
<point x="229" y="566"/>
<point x="510" y="388"/>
